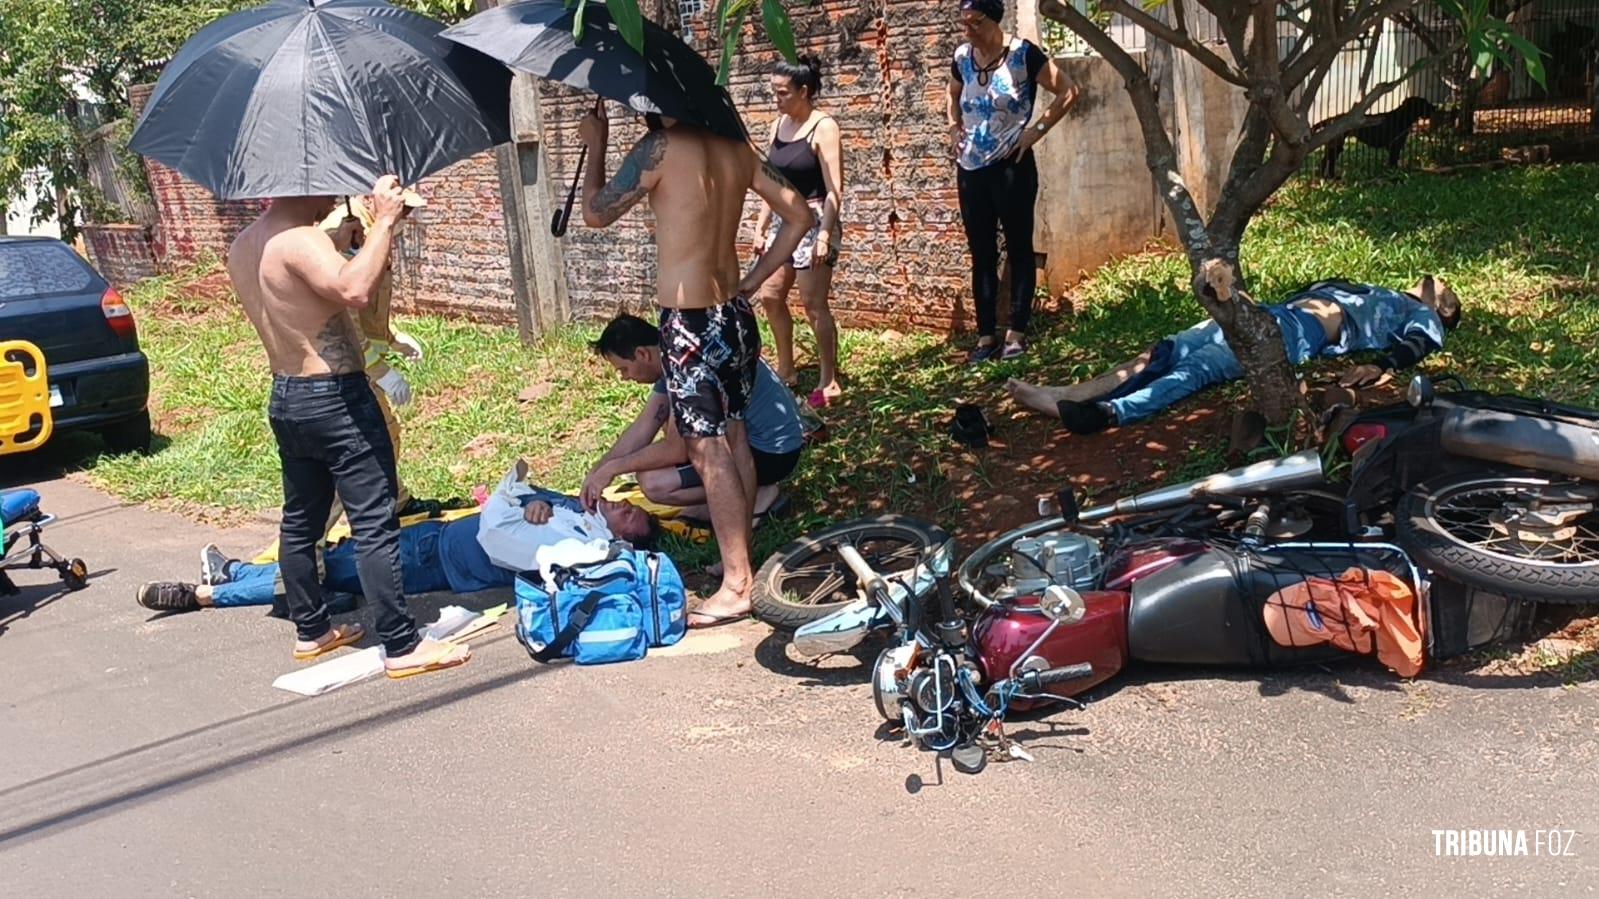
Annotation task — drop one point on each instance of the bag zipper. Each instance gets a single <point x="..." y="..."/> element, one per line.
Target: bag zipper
<point x="653" y="563"/>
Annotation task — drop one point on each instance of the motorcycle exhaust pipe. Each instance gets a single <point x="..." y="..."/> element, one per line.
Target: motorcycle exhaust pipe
<point x="1302" y="469"/>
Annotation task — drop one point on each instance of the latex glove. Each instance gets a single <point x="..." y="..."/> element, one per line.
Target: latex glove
<point x="407" y="346"/>
<point x="396" y="387"/>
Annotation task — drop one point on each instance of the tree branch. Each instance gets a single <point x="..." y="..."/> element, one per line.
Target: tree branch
<point x="1328" y="130"/>
<point x="1159" y="155"/>
<point x="1325" y="46"/>
<point x="1177" y="39"/>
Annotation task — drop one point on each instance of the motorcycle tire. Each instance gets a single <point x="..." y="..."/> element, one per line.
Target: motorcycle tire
<point x="1436" y="522"/>
<point x="783" y="598"/>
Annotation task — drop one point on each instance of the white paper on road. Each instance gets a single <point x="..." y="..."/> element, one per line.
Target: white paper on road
<point x="348" y="669"/>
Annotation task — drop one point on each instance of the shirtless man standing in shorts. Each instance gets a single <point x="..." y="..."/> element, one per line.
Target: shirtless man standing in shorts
<point x="696" y="182"/>
<point x="298" y="292"/>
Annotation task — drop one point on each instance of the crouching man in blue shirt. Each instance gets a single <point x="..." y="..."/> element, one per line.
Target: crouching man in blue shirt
<point x="632" y="346"/>
<point x="1326" y="319"/>
<point x="434" y="556"/>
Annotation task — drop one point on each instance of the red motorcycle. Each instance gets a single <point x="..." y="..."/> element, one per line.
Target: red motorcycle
<point x="1182" y="574"/>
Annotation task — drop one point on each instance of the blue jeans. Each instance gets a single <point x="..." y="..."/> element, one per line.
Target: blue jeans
<point x="251" y="585"/>
<point x="1198" y="358"/>
<point x="255" y="585"/>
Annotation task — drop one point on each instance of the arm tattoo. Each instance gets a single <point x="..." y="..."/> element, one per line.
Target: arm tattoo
<point x="338" y="345"/>
<point x="772" y="173"/>
<point x="627" y="188"/>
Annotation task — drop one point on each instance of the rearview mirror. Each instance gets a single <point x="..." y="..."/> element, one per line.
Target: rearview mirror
<point x="1420" y="393"/>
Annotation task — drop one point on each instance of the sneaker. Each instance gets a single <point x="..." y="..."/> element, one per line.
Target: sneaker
<point x="214" y="566"/>
<point x="169" y="597"/>
<point x="981" y="353"/>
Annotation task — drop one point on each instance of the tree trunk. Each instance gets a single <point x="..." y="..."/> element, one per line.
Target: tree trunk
<point x="1252" y="333"/>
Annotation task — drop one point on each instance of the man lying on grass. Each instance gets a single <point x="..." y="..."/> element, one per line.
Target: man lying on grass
<point x="633" y="347"/>
<point x="434" y="556"/>
<point x="1326" y="319"/>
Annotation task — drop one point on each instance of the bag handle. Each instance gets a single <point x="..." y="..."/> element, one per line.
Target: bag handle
<point x="574" y="626"/>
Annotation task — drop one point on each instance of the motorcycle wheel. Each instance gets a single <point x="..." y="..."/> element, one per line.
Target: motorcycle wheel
<point x="1485" y="530"/>
<point x="807" y="579"/>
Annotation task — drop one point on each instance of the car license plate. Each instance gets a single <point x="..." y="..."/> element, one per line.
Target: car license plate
<point x="55" y="396"/>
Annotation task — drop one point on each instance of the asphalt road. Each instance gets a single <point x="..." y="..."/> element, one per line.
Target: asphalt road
<point x="149" y="756"/>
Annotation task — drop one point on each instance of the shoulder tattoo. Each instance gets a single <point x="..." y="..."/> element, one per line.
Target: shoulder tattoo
<point x="627" y="188"/>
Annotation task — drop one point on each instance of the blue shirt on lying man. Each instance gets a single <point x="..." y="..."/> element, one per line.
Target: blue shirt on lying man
<point x="1326" y="319"/>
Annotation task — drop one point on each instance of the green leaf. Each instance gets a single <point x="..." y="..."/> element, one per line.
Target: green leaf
<point x="629" y="21"/>
<point x="577" y="20"/>
<point x="779" y="29"/>
<point x="1530" y="54"/>
<point x="729" y="44"/>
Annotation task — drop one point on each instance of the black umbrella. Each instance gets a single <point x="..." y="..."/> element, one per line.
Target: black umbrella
<point x="321" y="98"/>
<point x="669" y="78"/>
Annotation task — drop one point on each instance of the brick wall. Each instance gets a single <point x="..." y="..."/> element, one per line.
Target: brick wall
<point x="903" y="260"/>
<point x="191" y="224"/>
<point x="122" y="253"/>
<point x="451" y="256"/>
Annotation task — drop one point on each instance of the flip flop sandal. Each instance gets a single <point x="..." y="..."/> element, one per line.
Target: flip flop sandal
<point x="454" y="657"/>
<point x="343" y="635"/>
<point x="1013" y="351"/>
<point x="818" y="399"/>
<point x="777" y="509"/>
<point x="716" y="620"/>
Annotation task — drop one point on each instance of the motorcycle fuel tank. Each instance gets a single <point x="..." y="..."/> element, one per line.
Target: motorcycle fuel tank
<point x="1005" y="631"/>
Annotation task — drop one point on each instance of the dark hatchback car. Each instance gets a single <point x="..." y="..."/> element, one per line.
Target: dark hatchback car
<point x="99" y="381"/>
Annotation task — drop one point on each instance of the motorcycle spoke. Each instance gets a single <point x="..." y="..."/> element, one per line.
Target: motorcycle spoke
<point x="823" y="591"/>
<point x="1505" y="520"/>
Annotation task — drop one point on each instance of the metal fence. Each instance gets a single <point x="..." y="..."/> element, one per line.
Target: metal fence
<point x="1459" y="114"/>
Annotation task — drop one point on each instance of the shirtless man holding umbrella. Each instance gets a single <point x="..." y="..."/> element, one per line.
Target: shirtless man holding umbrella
<point x="696" y="182"/>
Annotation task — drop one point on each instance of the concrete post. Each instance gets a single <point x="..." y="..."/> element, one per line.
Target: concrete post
<point x="538" y="268"/>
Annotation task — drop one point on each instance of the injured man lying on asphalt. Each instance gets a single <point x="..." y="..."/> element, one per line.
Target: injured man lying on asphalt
<point x="1326" y="319"/>
<point x="435" y="556"/>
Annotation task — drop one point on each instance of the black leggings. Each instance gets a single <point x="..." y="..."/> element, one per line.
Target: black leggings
<point x="1001" y="196"/>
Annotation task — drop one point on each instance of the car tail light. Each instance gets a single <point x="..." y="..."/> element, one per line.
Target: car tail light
<point x="117" y="314"/>
<point x="1358" y="435"/>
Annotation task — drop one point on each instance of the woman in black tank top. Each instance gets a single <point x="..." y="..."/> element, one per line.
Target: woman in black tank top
<point x="806" y="148"/>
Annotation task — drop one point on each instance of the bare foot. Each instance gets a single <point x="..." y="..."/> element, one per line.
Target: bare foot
<point x="428" y="655"/>
<point x="723" y="607"/>
<point x="1037" y="398"/>
<point x="832" y="390"/>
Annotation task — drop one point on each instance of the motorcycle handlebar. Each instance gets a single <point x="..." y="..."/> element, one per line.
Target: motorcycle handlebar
<point x="1036" y="681"/>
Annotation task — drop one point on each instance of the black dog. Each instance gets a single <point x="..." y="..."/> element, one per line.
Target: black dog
<point x="1388" y="131"/>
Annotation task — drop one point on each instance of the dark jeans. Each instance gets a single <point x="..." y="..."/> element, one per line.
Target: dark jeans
<point x="1001" y="196"/>
<point x="331" y="437"/>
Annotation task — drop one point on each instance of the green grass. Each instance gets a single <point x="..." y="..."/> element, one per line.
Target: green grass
<point x="1518" y="244"/>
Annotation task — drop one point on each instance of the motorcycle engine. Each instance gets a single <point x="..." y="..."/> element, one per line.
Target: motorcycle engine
<point x="1060" y="557"/>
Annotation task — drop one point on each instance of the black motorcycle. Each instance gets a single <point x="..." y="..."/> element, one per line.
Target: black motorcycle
<point x="1496" y="492"/>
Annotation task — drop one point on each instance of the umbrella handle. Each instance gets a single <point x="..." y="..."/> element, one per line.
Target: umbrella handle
<point x="563" y="217"/>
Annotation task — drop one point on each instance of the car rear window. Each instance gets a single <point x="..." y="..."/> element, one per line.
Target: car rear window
<point x="41" y="268"/>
